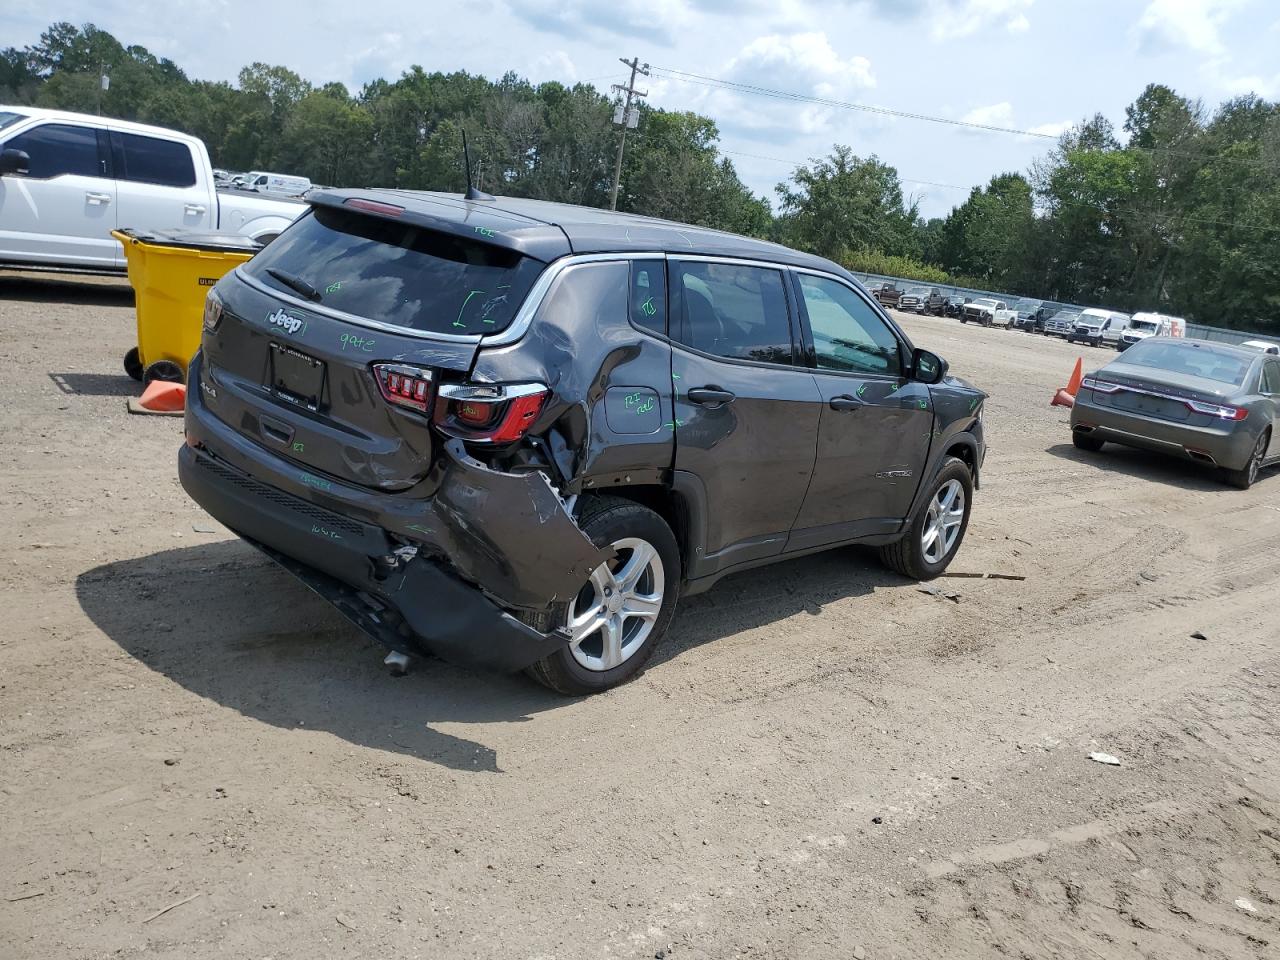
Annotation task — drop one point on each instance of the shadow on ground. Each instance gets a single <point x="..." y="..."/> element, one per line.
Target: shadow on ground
<point x="227" y="624"/>
<point x="1141" y="465"/>
<point x="96" y="384"/>
<point x="60" y="288"/>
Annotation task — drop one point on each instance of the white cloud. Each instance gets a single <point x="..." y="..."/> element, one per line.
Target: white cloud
<point x="1002" y="115"/>
<point x="555" y="65"/>
<point x="953" y="19"/>
<point x="994" y="115"/>
<point x="1190" y="24"/>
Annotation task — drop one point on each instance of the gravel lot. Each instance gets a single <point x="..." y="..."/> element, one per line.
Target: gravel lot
<point x="823" y="761"/>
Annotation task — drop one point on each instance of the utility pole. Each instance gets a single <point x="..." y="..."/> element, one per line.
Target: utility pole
<point x="626" y="119"/>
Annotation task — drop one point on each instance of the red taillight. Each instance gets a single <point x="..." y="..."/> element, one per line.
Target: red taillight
<point x="373" y="206"/>
<point x="489" y="413"/>
<point x="1217" y="410"/>
<point x="404" y="386"/>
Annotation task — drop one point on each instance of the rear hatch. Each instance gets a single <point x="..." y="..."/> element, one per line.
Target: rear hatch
<point x="350" y="303"/>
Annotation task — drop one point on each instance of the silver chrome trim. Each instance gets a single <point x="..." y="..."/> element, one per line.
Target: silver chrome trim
<point x="538" y="292"/>
<point x="1125" y="388"/>
<point x="351" y="317"/>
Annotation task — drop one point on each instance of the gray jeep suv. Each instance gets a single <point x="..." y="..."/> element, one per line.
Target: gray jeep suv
<point x="512" y="433"/>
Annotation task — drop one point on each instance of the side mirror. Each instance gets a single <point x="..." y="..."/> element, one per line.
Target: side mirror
<point x="927" y="367"/>
<point x="14" y="161"/>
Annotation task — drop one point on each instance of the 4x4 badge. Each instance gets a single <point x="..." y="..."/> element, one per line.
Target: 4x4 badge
<point x="288" y="323"/>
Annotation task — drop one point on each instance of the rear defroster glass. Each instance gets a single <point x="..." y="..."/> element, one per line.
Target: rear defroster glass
<point x="399" y="273"/>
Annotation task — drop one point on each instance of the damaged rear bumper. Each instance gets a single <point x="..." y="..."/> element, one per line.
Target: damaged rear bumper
<point x="442" y="574"/>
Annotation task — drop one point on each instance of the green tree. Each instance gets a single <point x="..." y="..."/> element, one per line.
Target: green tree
<point x="843" y="202"/>
<point x="987" y="235"/>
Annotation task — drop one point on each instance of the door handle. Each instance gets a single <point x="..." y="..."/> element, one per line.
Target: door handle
<point x="710" y="396"/>
<point x="195" y="209"/>
<point x="846" y="402"/>
<point x="98" y="197"/>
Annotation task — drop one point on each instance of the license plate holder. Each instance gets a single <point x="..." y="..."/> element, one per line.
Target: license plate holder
<point x="296" y="376"/>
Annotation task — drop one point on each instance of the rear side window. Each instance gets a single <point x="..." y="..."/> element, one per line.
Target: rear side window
<point x="649" y="295"/>
<point x="59" y="150"/>
<point x="1271" y="377"/>
<point x="399" y="273"/>
<point x="733" y="311"/>
<point x="152" y="160"/>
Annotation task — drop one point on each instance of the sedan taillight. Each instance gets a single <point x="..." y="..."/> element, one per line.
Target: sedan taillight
<point x="1217" y="410"/>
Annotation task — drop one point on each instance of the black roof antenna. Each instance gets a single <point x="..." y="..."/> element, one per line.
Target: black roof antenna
<point x="472" y="192"/>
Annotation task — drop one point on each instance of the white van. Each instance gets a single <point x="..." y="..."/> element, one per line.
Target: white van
<point x="1145" y="325"/>
<point x="280" y="184"/>
<point x="1263" y="346"/>
<point x="1096" y="327"/>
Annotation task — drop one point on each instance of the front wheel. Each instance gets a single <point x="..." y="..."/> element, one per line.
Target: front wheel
<point x="622" y="611"/>
<point x="938" y="528"/>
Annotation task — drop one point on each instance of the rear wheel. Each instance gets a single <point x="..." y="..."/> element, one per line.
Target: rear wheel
<point x="938" y="528"/>
<point x="133" y="364"/>
<point x="622" y="611"/>
<point x="1244" y="479"/>
<point x="1084" y="441"/>
<point x="163" y="370"/>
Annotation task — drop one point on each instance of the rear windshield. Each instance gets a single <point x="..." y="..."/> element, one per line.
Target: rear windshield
<point x="1185" y="358"/>
<point x="8" y="118"/>
<point x="399" y="273"/>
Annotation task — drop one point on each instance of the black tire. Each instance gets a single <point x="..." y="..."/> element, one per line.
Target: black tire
<point x="1245" y="477"/>
<point x="606" y="520"/>
<point x="907" y="555"/>
<point x="164" y="370"/>
<point x="963" y="320"/>
<point x="1083" y="441"/>
<point x="133" y="364"/>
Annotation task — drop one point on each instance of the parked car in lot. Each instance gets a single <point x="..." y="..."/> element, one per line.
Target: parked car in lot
<point x="512" y="432"/>
<point x="1097" y="327"/>
<point x="987" y="311"/>
<point x="1215" y="404"/>
<point x="68" y="179"/>
<point x="955" y="304"/>
<point x="1061" y="323"/>
<point x="278" y="184"/>
<point x="1031" y="314"/>
<point x="923" y="300"/>
<point x="1265" y="346"/>
<point x="887" y="294"/>
<point x="1143" y="325"/>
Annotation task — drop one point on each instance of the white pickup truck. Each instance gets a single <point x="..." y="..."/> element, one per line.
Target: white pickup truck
<point x="68" y="179"/>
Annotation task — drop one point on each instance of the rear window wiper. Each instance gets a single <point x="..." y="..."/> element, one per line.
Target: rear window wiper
<point x="296" y="284"/>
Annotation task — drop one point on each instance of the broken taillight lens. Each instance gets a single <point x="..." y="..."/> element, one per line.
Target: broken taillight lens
<point x="404" y="386"/>
<point x="489" y="412"/>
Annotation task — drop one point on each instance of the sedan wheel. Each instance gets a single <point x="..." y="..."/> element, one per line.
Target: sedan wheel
<point x="1246" y="477"/>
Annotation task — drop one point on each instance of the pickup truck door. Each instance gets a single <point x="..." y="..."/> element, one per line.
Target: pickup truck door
<point x="62" y="211"/>
<point x="160" y="185"/>
<point x="875" y="425"/>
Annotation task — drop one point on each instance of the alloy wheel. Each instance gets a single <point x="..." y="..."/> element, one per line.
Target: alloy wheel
<point x="943" y="521"/>
<point x="616" y="610"/>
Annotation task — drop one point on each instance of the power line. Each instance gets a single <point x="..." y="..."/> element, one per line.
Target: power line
<point x="789" y="95"/>
<point x="627" y="120"/>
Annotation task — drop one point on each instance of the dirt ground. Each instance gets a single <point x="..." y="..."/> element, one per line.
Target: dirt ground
<point x="822" y="761"/>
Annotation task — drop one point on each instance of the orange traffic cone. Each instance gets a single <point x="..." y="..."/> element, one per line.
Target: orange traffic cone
<point x="1067" y="396"/>
<point x="161" y="396"/>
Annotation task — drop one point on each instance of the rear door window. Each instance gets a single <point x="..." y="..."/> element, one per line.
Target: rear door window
<point x="734" y="311"/>
<point x="59" y="150"/>
<point x="649" y="295"/>
<point x="152" y="160"/>
<point x="399" y="273"/>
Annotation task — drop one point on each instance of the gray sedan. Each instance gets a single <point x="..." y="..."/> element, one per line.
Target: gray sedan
<point x="1209" y="402"/>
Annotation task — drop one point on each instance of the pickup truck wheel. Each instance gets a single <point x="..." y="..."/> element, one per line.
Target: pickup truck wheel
<point x="164" y="370"/>
<point x="938" y="528"/>
<point x="620" y="615"/>
<point x="133" y="364"/>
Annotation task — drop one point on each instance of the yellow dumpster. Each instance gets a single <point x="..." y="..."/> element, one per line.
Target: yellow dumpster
<point x="171" y="272"/>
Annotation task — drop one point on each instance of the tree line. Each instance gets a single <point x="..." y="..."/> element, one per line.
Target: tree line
<point x="1179" y="211"/>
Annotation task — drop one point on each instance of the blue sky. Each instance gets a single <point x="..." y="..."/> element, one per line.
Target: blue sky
<point x="1028" y="64"/>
